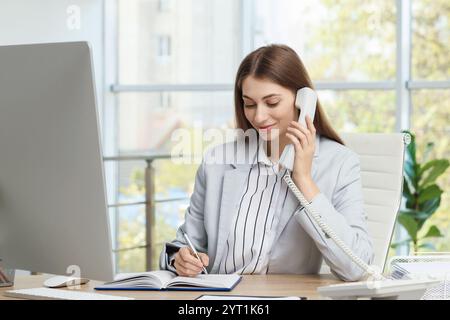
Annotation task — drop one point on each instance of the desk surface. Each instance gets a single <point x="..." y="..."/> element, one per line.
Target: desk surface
<point x="255" y="285"/>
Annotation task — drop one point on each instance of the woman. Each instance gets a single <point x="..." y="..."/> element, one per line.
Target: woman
<point x="242" y="217"/>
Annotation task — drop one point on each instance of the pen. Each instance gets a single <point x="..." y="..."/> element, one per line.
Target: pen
<point x="195" y="251"/>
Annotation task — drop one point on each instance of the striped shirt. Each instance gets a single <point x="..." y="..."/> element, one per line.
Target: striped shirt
<point x="254" y="225"/>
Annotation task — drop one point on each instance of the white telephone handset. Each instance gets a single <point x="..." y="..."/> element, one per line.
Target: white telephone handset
<point x="306" y="101"/>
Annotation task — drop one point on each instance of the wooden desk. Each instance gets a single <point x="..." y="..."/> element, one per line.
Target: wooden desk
<point x="256" y="285"/>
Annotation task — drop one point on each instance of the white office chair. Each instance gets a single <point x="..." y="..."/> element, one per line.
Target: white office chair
<point x="381" y="157"/>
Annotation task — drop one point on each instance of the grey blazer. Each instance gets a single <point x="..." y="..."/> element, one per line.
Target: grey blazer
<point x="299" y="245"/>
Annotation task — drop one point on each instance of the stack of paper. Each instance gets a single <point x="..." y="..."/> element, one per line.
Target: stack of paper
<point x="422" y="270"/>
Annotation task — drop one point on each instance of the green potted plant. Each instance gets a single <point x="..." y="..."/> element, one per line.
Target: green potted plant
<point x="422" y="196"/>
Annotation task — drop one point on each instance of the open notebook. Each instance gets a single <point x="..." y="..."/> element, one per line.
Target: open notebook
<point x="167" y="280"/>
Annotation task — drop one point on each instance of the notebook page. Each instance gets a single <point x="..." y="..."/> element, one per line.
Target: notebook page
<point x="164" y="276"/>
<point x="207" y="280"/>
<point x="153" y="278"/>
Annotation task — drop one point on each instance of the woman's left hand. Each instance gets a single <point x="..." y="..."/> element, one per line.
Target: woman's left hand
<point x="304" y="141"/>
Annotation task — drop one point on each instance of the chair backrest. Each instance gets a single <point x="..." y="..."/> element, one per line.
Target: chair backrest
<point x="381" y="156"/>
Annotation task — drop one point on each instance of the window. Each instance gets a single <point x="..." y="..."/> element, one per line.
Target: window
<point x="360" y="110"/>
<point x="164" y="5"/>
<point x="337" y="40"/>
<point x="431" y="123"/>
<point x="430" y="95"/>
<point x="177" y="60"/>
<point x="430" y="44"/>
<point x="164" y="100"/>
<point x="201" y="37"/>
<point x="164" y="49"/>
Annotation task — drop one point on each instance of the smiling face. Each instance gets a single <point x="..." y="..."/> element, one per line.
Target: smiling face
<point x="268" y="106"/>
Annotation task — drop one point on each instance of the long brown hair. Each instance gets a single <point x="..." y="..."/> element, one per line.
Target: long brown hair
<point x="282" y="65"/>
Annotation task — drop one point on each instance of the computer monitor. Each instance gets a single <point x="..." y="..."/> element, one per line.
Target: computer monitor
<point x="53" y="211"/>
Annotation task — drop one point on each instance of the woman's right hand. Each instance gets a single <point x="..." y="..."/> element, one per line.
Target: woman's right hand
<point x="187" y="263"/>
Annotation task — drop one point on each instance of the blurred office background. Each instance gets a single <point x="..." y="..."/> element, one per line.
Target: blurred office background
<point x="162" y="65"/>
